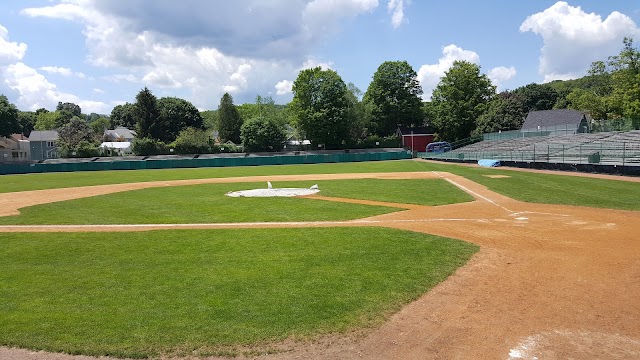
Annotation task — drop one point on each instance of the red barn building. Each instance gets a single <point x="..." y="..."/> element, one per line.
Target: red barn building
<point x="415" y="138"/>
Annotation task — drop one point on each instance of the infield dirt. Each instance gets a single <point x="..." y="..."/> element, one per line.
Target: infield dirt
<point x="550" y="281"/>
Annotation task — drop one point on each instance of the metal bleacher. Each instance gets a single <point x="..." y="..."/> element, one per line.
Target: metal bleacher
<point x="606" y="148"/>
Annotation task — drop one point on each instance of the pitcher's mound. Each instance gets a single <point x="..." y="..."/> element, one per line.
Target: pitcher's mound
<point x="270" y="191"/>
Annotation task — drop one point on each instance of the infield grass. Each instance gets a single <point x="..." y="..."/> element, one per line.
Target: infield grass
<point x="208" y="203"/>
<point x="212" y="292"/>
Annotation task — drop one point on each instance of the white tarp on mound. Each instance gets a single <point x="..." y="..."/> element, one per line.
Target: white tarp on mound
<point x="271" y="192"/>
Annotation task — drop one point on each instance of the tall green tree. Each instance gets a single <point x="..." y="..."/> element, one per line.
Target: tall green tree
<point x="321" y="106"/>
<point x="67" y="112"/>
<point x="76" y="139"/>
<point x="394" y="98"/>
<point x="358" y="119"/>
<point x="263" y="134"/>
<point x="123" y="115"/>
<point x="47" y="120"/>
<point x="625" y="98"/>
<point x="230" y="120"/>
<point x="147" y="115"/>
<point x="505" y="112"/>
<point x="9" y="120"/>
<point x="27" y="121"/>
<point x="176" y="115"/>
<point x="537" y="97"/>
<point x="460" y="98"/>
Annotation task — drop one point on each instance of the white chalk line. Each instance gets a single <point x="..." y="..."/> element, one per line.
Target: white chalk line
<point x="475" y="194"/>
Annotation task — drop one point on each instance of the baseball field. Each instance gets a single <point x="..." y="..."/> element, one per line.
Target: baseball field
<point x="400" y="259"/>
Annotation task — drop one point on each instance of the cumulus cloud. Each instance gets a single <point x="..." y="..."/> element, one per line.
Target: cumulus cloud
<point x="34" y="91"/>
<point x="501" y="74"/>
<point x="284" y="87"/>
<point x="62" y="71"/>
<point x="208" y="47"/>
<point x="396" y="9"/>
<point x="573" y="38"/>
<point x="10" y="52"/>
<point x="429" y="75"/>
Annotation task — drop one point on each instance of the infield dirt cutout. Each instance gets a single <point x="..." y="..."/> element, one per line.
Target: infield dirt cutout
<point x="550" y="281"/>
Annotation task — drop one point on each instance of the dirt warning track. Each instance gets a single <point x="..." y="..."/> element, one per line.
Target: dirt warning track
<point x="550" y="281"/>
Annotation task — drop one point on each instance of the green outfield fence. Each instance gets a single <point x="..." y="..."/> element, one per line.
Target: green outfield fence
<point x="102" y="164"/>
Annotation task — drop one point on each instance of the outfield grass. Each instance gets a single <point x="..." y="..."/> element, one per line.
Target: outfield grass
<point x="208" y="204"/>
<point x="525" y="186"/>
<point x="550" y="188"/>
<point x="13" y="183"/>
<point x="169" y="292"/>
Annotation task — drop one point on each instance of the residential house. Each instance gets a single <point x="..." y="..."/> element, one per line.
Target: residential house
<point x="557" y="122"/>
<point x="43" y="145"/>
<point x="119" y="134"/>
<point x="14" y="148"/>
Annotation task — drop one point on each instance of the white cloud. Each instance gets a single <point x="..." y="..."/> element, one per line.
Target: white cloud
<point x="10" y="52"/>
<point x="573" y="38"/>
<point x="429" y="75"/>
<point x="314" y="63"/>
<point x="208" y="47"/>
<point x="396" y="9"/>
<point x="62" y="71"/>
<point x="501" y="74"/>
<point x="98" y="91"/>
<point x="34" y="91"/>
<point x="284" y="87"/>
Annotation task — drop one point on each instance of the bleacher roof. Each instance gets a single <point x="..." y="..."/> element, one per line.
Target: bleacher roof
<point x="552" y="118"/>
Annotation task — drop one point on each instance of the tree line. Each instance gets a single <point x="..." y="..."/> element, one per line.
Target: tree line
<point x="335" y="115"/>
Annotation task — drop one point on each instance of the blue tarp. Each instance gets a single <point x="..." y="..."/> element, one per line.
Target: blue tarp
<point x="489" y="163"/>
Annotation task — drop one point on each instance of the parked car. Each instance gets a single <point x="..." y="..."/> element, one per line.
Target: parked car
<point x="438" y="147"/>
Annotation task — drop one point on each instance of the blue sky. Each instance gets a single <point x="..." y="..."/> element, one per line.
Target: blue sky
<point x="100" y="53"/>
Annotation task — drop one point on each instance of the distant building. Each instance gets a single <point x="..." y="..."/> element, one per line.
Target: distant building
<point x="14" y="148"/>
<point x="119" y="134"/>
<point x="43" y="145"/>
<point x="416" y="138"/>
<point x="116" y="148"/>
<point x="563" y="121"/>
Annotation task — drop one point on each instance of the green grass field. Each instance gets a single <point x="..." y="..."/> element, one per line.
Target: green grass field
<point x="172" y="292"/>
<point x="531" y="187"/>
<point x="224" y="291"/>
<point x="208" y="204"/>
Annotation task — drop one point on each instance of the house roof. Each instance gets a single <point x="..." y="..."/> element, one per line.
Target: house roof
<point x="551" y="118"/>
<point x="48" y="135"/>
<point x="421" y="130"/>
<point x="121" y="132"/>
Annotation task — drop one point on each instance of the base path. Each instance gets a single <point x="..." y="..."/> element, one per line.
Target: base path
<point x="550" y="282"/>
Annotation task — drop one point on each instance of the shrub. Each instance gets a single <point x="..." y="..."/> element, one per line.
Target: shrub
<point x="192" y="141"/>
<point x="147" y="147"/>
<point x="260" y="134"/>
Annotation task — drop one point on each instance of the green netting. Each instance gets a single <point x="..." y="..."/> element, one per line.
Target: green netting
<point x="195" y="163"/>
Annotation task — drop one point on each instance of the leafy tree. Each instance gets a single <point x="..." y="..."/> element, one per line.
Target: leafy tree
<point x="99" y="125"/>
<point x="211" y="119"/>
<point x="505" y="112"/>
<point x="192" y="141"/>
<point x="147" y="115"/>
<point x="230" y="121"/>
<point x="462" y="95"/>
<point x="321" y="106"/>
<point x="47" y="120"/>
<point x="625" y="98"/>
<point x="358" y="118"/>
<point x="147" y="147"/>
<point x="394" y="97"/>
<point x="9" y="120"/>
<point x="27" y="121"/>
<point x="124" y="115"/>
<point x="67" y="112"/>
<point x="176" y="115"/>
<point x="589" y="102"/>
<point x="537" y="97"/>
<point x="73" y="135"/>
<point x="263" y="134"/>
